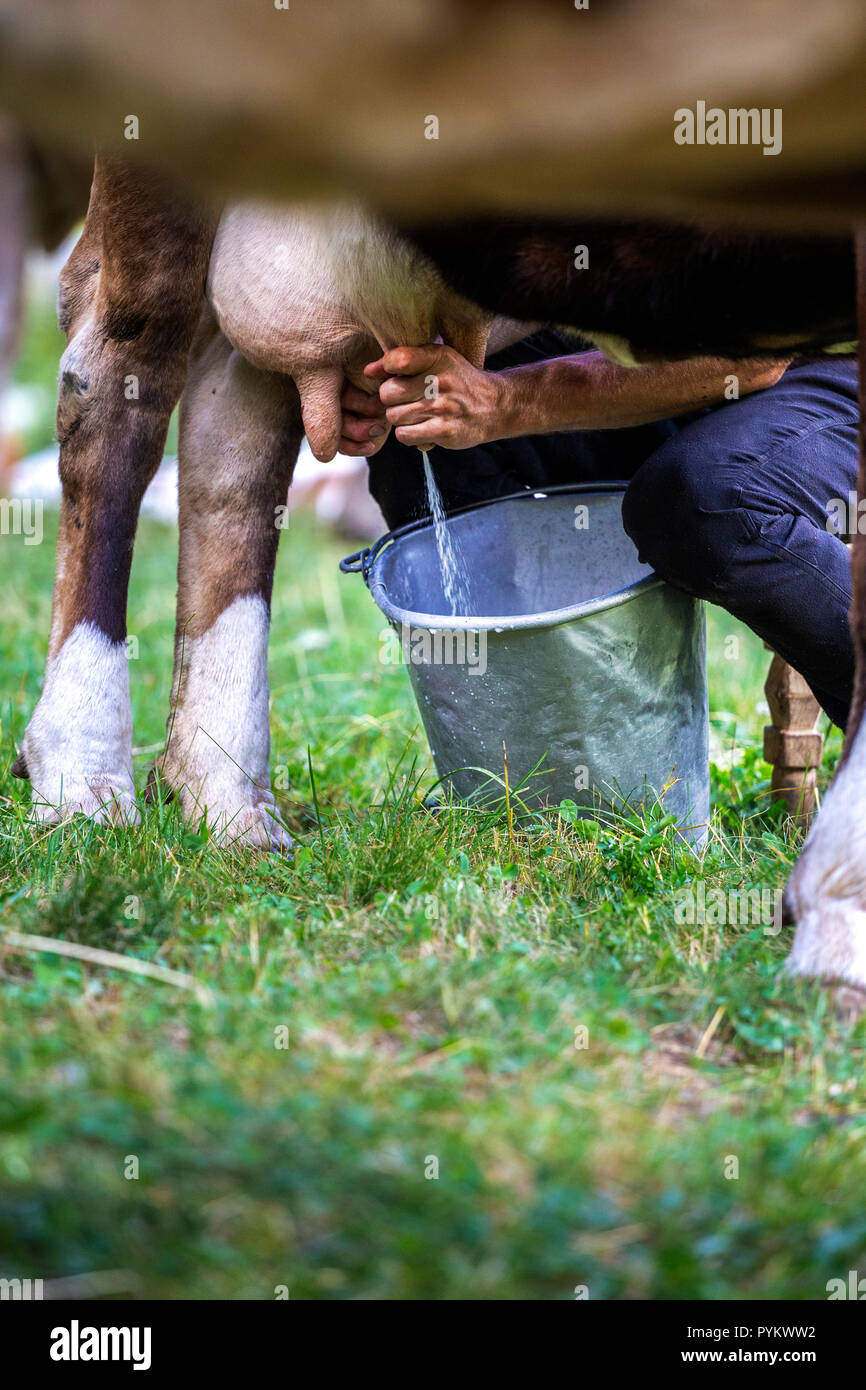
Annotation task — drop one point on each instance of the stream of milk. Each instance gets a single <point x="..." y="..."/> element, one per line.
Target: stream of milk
<point x="452" y="563"/>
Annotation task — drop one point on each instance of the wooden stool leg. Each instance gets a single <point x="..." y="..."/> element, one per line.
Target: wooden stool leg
<point x="792" y="745"/>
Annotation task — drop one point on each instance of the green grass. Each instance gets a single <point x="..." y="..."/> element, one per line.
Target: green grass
<point x="431" y="973"/>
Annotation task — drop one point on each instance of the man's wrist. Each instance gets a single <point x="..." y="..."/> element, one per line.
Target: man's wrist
<point x="509" y="417"/>
<point x="502" y="419"/>
<point x="530" y="399"/>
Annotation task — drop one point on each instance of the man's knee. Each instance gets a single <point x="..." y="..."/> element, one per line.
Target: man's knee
<point x="683" y="515"/>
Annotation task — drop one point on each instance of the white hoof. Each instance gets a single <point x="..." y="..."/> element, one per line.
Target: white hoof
<point x="246" y="819"/>
<point x="254" y="827"/>
<point x="830" y="944"/>
<point x="77" y="748"/>
<point x="102" y="802"/>
<point x="827" y="892"/>
<point x="219" y="740"/>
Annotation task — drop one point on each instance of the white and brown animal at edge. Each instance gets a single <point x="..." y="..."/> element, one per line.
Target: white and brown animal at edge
<point x="826" y="894"/>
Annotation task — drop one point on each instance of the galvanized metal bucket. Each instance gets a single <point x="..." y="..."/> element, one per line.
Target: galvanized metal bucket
<point x="578" y="658"/>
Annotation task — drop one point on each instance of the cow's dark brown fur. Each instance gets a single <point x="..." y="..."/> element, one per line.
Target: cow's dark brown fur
<point x="670" y="291"/>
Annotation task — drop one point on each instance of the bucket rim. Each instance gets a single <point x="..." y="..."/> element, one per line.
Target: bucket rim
<point x="554" y="617"/>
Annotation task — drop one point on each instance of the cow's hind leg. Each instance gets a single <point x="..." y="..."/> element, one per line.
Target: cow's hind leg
<point x="827" y="892"/>
<point x="131" y="295"/>
<point x="239" y="439"/>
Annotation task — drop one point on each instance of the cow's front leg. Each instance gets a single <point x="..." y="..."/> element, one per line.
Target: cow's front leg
<point x="827" y="892"/>
<point x="239" y="439"/>
<point x="130" y="299"/>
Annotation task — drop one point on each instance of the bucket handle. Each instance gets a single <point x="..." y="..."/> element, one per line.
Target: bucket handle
<point x="362" y="561"/>
<point x="358" y="563"/>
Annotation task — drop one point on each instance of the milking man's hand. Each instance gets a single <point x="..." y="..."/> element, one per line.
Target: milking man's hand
<point x="433" y="396"/>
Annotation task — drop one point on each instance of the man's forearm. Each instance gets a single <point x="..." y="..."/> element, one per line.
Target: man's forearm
<point x="588" y="392"/>
<point x="472" y="406"/>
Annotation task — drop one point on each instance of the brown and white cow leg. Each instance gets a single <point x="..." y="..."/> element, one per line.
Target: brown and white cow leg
<point x="130" y="300"/>
<point x="827" y="891"/>
<point x="240" y="434"/>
